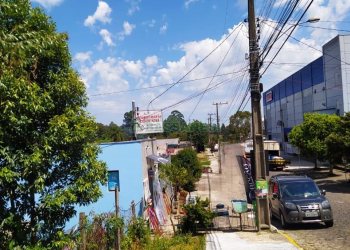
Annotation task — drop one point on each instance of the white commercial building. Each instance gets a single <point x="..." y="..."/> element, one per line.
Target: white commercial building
<point x="321" y="86"/>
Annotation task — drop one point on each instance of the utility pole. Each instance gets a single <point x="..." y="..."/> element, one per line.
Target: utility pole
<point x="218" y="131"/>
<point x="217" y="116"/>
<point x="263" y="218"/>
<point x="210" y="119"/>
<point x="116" y="197"/>
<point x="133" y="114"/>
<point x="209" y="122"/>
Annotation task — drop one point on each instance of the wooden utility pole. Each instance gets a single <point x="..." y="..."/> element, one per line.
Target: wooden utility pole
<point x="217" y="116"/>
<point x="82" y="229"/>
<point x="210" y="119"/>
<point x="117" y="238"/>
<point x="218" y="132"/>
<point x="262" y="212"/>
<point x="133" y="123"/>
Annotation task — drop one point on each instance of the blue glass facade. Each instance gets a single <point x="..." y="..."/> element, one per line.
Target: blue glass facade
<point x="311" y="75"/>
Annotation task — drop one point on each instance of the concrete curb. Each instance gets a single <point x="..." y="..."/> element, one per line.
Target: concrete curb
<point x="285" y="235"/>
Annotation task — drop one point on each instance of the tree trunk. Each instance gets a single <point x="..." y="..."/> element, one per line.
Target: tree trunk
<point x="316" y="166"/>
<point x="33" y="219"/>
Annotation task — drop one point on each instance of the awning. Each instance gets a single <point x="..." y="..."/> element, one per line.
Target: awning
<point x="157" y="158"/>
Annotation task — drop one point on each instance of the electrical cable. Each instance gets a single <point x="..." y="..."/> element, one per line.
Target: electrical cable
<point x="202" y="60"/>
<point x="161" y="85"/>
<point x="199" y="93"/>
<point x="286" y="38"/>
<point x="217" y="70"/>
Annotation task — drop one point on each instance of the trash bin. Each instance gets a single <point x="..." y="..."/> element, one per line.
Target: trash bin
<point x="239" y="206"/>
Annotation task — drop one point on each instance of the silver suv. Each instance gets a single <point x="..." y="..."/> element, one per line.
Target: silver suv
<point x="297" y="199"/>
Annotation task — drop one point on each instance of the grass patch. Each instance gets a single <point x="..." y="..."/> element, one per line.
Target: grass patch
<point x="203" y="159"/>
<point x="179" y="242"/>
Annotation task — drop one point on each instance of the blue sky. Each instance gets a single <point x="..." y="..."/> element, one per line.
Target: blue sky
<point x="119" y="46"/>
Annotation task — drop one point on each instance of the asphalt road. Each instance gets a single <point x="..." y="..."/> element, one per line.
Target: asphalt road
<point x="317" y="236"/>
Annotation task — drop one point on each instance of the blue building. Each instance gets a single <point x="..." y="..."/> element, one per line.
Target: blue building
<point x="321" y="86"/>
<point x="133" y="160"/>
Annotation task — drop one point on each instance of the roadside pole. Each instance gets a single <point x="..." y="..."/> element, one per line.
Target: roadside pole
<point x="117" y="238"/>
<point x="262" y="208"/>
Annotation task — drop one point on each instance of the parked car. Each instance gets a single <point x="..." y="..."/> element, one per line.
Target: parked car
<point x="297" y="199"/>
<point x="221" y="210"/>
<point x="191" y="199"/>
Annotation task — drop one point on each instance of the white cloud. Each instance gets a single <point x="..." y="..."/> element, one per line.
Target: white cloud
<point x="127" y="30"/>
<point x="163" y="29"/>
<point x="151" y="60"/>
<point x="134" y="6"/>
<point x="107" y="37"/>
<point x="48" y="3"/>
<point x="189" y="2"/>
<point x="101" y="14"/>
<point x="83" y="57"/>
<point x="150" y="23"/>
<point x="133" y="68"/>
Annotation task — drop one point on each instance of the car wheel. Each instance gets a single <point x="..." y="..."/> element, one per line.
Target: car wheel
<point x="283" y="221"/>
<point x="329" y="223"/>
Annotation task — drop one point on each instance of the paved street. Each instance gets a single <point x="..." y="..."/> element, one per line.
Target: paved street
<point x="317" y="236"/>
<point x="229" y="184"/>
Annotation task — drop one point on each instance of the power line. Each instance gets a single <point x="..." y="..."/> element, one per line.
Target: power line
<point x="199" y="93"/>
<point x="161" y="85"/>
<point x="285" y="39"/>
<point x="195" y="65"/>
<point x="217" y="70"/>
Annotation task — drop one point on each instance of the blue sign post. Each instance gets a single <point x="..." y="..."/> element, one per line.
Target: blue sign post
<point x="113" y="180"/>
<point x="114" y="185"/>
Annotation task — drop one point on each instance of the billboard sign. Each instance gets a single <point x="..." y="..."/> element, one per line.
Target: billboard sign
<point x="149" y="122"/>
<point x="113" y="180"/>
<point x="269" y="96"/>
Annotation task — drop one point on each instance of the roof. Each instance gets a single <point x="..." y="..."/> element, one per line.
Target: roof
<point x="157" y="158"/>
<point x="283" y="177"/>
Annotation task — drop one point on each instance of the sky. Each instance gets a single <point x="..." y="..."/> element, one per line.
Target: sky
<point x="135" y="50"/>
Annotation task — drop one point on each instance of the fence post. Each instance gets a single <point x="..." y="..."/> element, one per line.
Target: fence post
<point x="82" y="230"/>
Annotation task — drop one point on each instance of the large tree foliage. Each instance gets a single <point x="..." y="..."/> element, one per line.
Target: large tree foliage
<point x="48" y="161"/>
<point x="175" y="125"/>
<point x="239" y="127"/>
<point x="310" y="136"/>
<point x="338" y="142"/>
<point x="198" y="134"/>
<point x="110" y="133"/>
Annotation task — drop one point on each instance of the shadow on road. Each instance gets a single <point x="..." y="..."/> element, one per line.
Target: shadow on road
<point x="334" y="186"/>
<point x="309" y="226"/>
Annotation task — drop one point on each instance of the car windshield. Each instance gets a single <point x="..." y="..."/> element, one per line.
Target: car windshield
<point x="305" y="189"/>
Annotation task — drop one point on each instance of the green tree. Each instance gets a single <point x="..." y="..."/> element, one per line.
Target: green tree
<point x="310" y="136"/>
<point x="187" y="159"/>
<point x="239" y="127"/>
<point x="175" y="124"/>
<point x="110" y="133"/>
<point x="198" y="134"/>
<point x="338" y="142"/>
<point x="127" y="125"/>
<point x="48" y="158"/>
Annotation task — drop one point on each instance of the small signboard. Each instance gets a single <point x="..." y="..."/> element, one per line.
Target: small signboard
<point x="149" y="122"/>
<point x="261" y="188"/>
<point x="269" y="96"/>
<point x="113" y="180"/>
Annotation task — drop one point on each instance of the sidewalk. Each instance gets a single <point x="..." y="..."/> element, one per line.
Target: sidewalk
<point x="265" y="240"/>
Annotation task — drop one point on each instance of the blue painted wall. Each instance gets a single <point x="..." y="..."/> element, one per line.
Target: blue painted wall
<point x="127" y="158"/>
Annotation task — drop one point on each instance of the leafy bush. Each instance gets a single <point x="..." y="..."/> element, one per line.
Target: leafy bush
<point x="138" y="235"/>
<point x="198" y="216"/>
